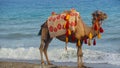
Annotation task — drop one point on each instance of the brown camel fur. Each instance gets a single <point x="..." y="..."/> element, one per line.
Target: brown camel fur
<point x="98" y="17"/>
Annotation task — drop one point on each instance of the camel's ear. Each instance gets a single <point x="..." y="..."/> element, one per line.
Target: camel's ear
<point x="93" y="14"/>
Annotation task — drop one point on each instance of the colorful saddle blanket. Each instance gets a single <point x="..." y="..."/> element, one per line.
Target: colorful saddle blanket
<point x="56" y="22"/>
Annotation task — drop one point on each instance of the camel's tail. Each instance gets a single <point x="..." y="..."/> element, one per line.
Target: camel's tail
<point x="43" y="25"/>
<point x="39" y="32"/>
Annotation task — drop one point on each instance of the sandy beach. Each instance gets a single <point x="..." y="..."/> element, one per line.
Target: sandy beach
<point x="10" y="63"/>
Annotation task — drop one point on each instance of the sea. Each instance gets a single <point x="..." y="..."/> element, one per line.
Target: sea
<point x="20" y="22"/>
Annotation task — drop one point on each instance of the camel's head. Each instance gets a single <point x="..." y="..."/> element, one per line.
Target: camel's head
<point x="99" y="15"/>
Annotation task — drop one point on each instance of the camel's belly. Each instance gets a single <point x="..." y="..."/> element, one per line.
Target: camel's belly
<point x="63" y="38"/>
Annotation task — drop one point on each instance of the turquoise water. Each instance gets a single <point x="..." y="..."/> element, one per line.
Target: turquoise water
<point x="20" y="22"/>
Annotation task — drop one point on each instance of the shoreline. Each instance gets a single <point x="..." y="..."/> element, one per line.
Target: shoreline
<point x="13" y="63"/>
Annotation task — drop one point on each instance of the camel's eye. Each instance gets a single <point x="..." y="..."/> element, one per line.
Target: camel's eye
<point x="97" y="15"/>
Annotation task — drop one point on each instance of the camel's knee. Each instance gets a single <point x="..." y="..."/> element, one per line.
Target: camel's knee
<point x="41" y="45"/>
<point x="44" y="50"/>
<point x="45" y="47"/>
<point x="80" y="54"/>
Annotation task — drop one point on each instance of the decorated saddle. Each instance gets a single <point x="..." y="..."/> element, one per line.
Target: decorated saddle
<point x="59" y="24"/>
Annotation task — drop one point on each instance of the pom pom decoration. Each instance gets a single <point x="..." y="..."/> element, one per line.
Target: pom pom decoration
<point x="101" y="30"/>
<point x="67" y="25"/>
<point x="90" y="35"/>
<point x="78" y="43"/>
<point x="67" y="17"/>
<point x="69" y="32"/>
<point x="94" y="42"/>
<point x="99" y="35"/>
<point x="73" y="38"/>
<point x="53" y="13"/>
<point x="66" y="39"/>
<point x="85" y="40"/>
<point x="64" y="25"/>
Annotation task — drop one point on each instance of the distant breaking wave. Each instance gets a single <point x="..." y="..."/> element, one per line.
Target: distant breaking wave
<point x="16" y="36"/>
<point x="60" y="55"/>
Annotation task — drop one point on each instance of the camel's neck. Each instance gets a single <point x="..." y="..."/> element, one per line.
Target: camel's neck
<point x="83" y="30"/>
<point x="89" y="29"/>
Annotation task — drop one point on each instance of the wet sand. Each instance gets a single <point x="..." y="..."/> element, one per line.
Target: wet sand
<point x="36" y="64"/>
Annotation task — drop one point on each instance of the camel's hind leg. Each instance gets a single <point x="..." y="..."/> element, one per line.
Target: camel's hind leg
<point x="44" y="37"/>
<point x="45" y="50"/>
<point x="41" y="50"/>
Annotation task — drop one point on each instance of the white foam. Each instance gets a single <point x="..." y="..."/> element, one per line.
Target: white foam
<point x="92" y="56"/>
<point x="60" y="55"/>
<point x="19" y="53"/>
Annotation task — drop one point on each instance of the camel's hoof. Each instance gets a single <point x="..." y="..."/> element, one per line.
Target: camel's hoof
<point x="42" y="63"/>
<point x="79" y="66"/>
<point x="85" y="66"/>
<point x="82" y="66"/>
<point x="50" y="64"/>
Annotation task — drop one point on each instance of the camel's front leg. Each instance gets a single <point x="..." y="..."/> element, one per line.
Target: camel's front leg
<point x="79" y="56"/>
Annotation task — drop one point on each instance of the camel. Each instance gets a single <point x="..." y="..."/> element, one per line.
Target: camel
<point x="89" y="33"/>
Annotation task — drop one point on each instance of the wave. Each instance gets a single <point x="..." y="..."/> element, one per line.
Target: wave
<point x="17" y="36"/>
<point x="60" y="55"/>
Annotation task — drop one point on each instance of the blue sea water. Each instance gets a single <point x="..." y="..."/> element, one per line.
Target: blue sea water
<point x="20" y="22"/>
